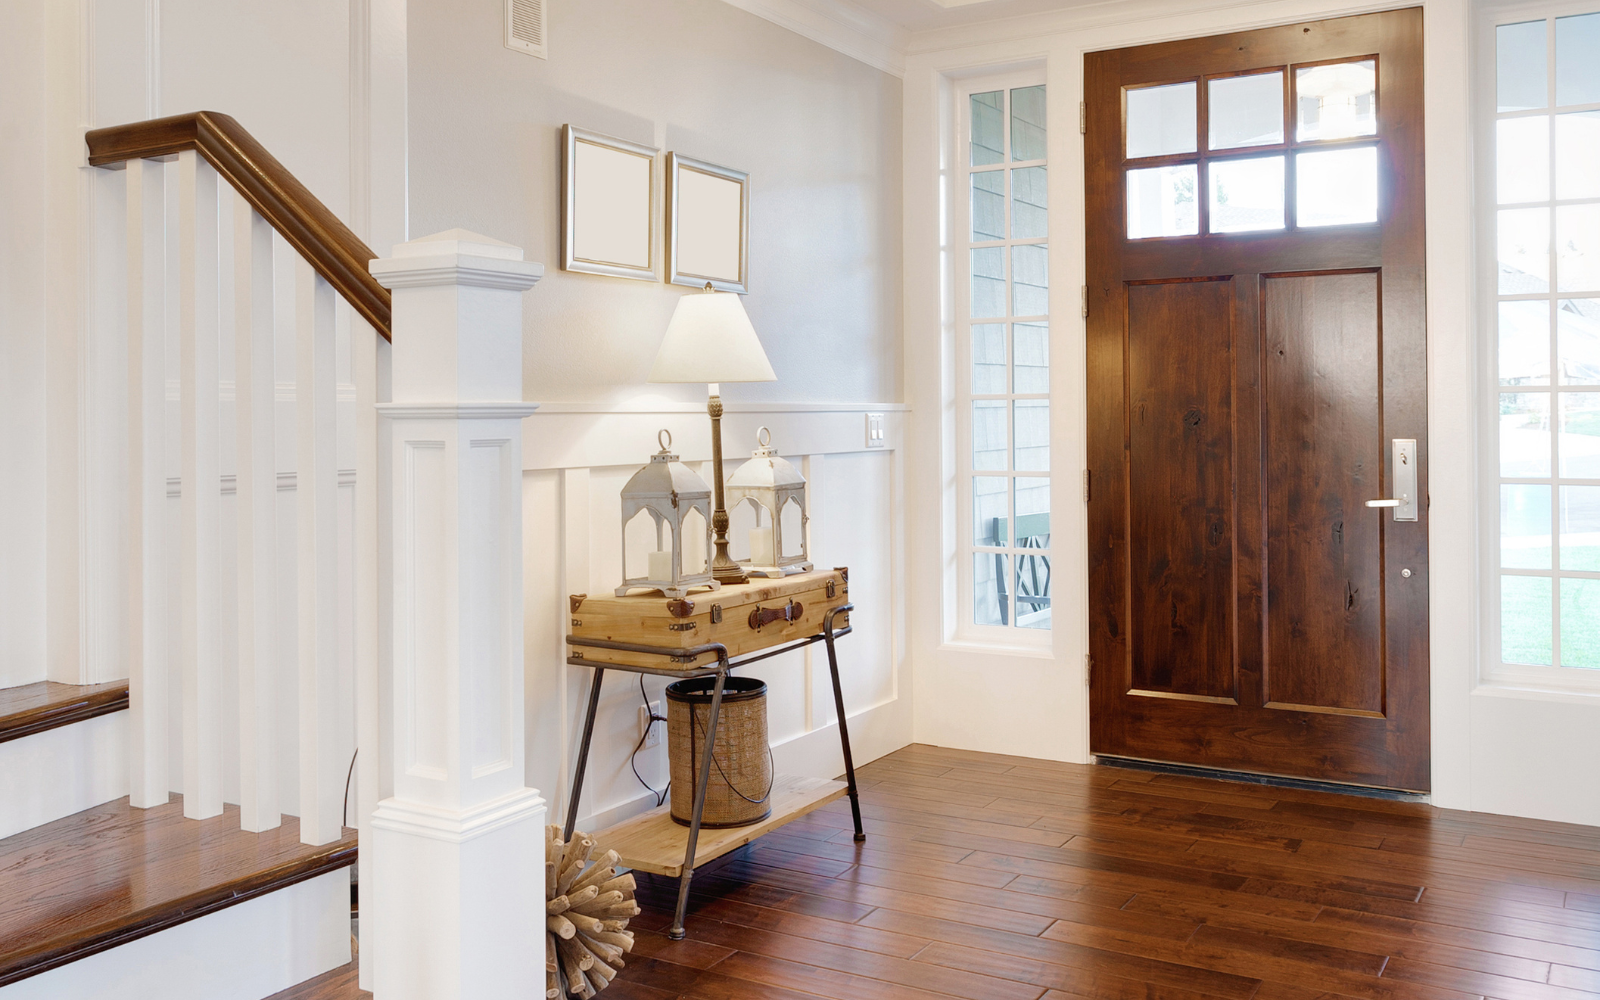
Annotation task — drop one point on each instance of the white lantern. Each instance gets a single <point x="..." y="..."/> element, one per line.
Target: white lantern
<point x="771" y="484"/>
<point x="671" y="492"/>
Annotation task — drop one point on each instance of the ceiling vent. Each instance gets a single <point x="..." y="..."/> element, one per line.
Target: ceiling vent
<point x="525" y="27"/>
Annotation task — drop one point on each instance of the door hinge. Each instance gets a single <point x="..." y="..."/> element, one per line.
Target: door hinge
<point x="1085" y="485"/>
<point x="1083" y="300"/>
<point x="1083" y="118"/>
<point x="1088" y="670"/>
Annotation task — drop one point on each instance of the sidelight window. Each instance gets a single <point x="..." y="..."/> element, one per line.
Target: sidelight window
<point x="1004" y="342"/>
<point x="1542" y="130"/>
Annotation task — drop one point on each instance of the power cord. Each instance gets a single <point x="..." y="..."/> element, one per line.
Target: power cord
<point x="633" y="758"/>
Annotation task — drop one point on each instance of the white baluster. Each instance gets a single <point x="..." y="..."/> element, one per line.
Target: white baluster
<point x="148" y="782"/>
<point x="256" y="515"/>
<point x="201" y="422"/>
<point x="368" y="352"/>
<point x="324" y="743"/>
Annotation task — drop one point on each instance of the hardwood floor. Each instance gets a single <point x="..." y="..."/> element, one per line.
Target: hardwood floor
<point x="1001" y="878"/>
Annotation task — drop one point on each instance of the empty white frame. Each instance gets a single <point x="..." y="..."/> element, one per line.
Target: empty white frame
<point x="608" y="188"/>
<point x="708" y="225"/>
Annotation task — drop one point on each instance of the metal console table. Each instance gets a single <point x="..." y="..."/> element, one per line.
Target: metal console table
<point x="828" y="636"/>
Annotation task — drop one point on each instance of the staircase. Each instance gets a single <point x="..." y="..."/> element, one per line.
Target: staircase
<point x="189" y="831"/>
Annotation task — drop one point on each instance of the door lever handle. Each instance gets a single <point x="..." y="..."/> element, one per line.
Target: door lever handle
<point x="1395" y="502"/>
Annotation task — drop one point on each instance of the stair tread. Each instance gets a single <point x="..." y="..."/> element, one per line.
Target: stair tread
<point x="113" y="873"/>
<point x="335" y="984"/>
<point x="33" y="708"/>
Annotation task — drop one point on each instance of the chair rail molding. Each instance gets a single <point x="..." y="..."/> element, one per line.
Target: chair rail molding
<point x="442" y="927"/>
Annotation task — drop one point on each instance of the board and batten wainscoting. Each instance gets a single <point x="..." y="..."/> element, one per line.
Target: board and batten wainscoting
<point x="576" y="458"/>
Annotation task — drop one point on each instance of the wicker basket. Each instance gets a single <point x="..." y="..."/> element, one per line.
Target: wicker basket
<point x="739" y="791"/>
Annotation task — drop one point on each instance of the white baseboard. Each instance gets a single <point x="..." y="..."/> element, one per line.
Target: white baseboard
<point x="61" y="771"/>
<point x="244" y="952"/>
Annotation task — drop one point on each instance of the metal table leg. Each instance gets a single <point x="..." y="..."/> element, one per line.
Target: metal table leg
<point x="676" y="932"/>
<point x="583" y="755"/>
<point x="844" y="728"/>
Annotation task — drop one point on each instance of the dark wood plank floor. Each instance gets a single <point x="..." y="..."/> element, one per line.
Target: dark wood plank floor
<point x="1001" y="878"/>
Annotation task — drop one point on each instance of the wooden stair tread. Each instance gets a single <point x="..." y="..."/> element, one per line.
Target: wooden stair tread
<point x="335" y="984"/>
<point x="111" y="874"/>
<point x="34" y="708"/>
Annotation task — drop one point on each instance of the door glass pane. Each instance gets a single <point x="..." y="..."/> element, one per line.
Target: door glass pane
<point x="1033" y="512"/>
<point x="1246" y="195"/>
<point x="1161" y="120"/>
<point x="989" y="435"/>
<point x="988" y="282"/>
<point x="1522" y="247"/>
<point x="1522" y="159"/>
<point x="1033" y="435"/>
<point x="1030" y="280"/>
<point x="1336" y="101"/>
<point x="988" y="128"/>
<point x="1578" y="59"/>
<point x="988" y="206"/>
<point x="1525" y="435"/>
<point x="988" y="358"/>
<point x="1521" y="77"/>
<point x="1525" y="343"/>
<point x="1161" y="202"/>
<point x="1579" y="446"/>
<point x="1033" y="591"/>
<point x="1580" y="528"/>
<point x="1336" y="187"/>
<point x="1030" y="362"/>
<point x="1578" y="248"/>
<point x="1526" y="620"/>
<point x="1524" y="526"/>
<point x="1580" y="623"/>
<point x="989" y="509"/>
<point x="1245" y="111"/>
<point x="990" y="604"/>
<point x="1578" y="154"/>
<point x="1578" y="341"/>
<point x="1029" y="204"/>
<point x="1027" y="123"/>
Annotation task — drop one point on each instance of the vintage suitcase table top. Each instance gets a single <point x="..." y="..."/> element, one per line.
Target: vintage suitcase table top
<point x="744" y="618"/>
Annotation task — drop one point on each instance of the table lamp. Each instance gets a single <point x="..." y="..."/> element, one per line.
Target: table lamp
<point x="710" y="340"/>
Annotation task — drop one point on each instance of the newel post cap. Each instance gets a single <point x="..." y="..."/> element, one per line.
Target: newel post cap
<point x="456" y="257"/>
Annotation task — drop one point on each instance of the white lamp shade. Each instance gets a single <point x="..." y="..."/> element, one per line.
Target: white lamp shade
<point x="710" y="339"/>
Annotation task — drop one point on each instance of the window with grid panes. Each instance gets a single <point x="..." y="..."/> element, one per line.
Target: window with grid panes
<point x="1005" y="333"/>
<point x="1545" y="313"/>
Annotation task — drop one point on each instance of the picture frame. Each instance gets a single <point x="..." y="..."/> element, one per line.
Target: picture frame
<point x="609" y="194"/>
<point x="708" y="225"/>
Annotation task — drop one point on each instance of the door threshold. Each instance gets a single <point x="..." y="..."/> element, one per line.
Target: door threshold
<point x="1253" y="778"/>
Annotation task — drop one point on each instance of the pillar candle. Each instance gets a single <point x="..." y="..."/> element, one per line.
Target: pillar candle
<point x="661" y="565"/>
<point x="761" y="546"/>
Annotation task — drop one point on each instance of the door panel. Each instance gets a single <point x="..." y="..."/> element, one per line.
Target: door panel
<point x="1324" y="446"/>
<point x="1247" y="609"/>
<point x="1180" y="467"/>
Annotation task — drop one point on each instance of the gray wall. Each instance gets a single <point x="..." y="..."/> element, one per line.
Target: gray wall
<point x="818" y="132"/>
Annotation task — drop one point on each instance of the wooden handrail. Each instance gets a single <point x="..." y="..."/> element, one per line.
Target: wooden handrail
<point x="328" y="244"/>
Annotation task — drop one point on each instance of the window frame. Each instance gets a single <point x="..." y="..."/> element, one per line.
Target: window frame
<point x="964" y="629"/>
<point x="1493" y="669"/>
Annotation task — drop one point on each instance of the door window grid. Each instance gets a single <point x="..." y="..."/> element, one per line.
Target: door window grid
<point x="1546" y="324"/>
<point x="1003" y="326"/>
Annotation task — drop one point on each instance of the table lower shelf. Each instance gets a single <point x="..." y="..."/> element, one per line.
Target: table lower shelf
<point x="653" y="842"/>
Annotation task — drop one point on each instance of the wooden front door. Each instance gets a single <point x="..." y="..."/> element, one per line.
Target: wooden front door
<point x="1256" y="349"/>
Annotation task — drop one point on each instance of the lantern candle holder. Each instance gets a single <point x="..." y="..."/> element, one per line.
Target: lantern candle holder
<point x="771" y="483"/>
<point x="670" y="491"/>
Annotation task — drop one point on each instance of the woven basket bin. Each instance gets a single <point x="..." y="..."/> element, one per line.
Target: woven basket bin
<point x="739" y="791"/>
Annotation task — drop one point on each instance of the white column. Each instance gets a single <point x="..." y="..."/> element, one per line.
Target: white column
<point x="458" y="865"/>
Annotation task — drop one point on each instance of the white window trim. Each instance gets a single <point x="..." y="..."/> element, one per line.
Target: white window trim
<point x="1493" y="671"/>
<point x="962" y="631"/>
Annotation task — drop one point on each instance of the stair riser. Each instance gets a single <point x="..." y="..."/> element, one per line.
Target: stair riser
<point x="244" y="952"/>
<point x="60" y="771"/>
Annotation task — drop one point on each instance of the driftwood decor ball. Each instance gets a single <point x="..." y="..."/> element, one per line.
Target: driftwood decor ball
<point x="587" y="915"/>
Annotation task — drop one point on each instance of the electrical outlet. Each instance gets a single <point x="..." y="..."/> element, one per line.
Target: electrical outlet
<point x="875" y="436"/>
<point x="647" y="726"/>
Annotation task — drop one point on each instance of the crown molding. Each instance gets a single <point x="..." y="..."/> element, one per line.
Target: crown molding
<point x="841" y="26"/>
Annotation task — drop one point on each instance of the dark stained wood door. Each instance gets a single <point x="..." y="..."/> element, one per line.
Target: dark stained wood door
<point x="1256" y="342"/>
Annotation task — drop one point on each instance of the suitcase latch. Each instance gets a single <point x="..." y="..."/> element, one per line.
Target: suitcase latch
<point x="832" y="589"/>
<point x="716" y="614"/>
<point x="790" y="612"/>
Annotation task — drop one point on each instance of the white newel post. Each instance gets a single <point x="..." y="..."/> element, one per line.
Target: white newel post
<point x="458" y="846"/>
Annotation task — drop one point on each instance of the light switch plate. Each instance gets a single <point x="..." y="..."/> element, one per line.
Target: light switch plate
<point x="875" y="436"/>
